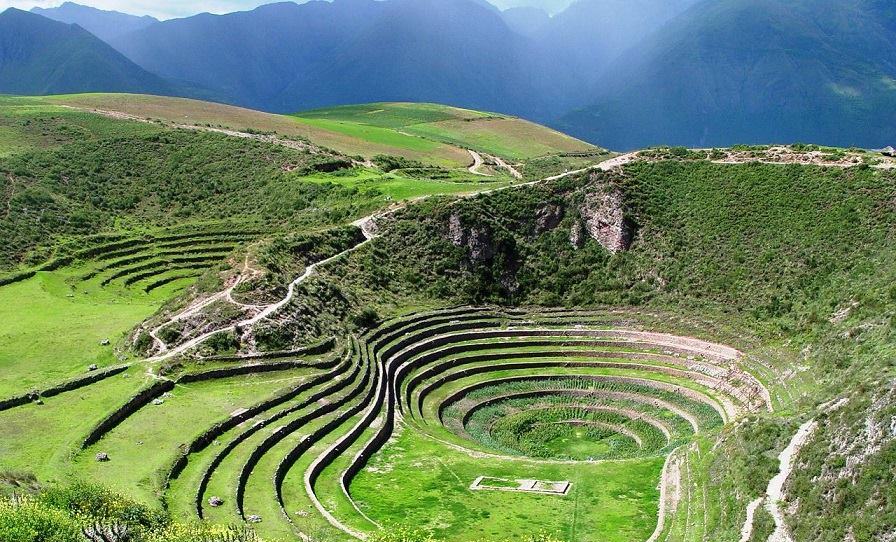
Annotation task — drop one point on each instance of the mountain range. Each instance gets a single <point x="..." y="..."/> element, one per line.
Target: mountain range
<point x="620" y="73"/>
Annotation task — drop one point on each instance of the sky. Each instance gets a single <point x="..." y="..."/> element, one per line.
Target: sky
<point x="168" y="9"/>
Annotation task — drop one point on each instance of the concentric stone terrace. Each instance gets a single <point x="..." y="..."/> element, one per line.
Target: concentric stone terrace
<point x="430" y="402"/>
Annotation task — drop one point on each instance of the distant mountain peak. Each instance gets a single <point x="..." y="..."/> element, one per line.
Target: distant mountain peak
<point x="104" y="24"/>
<point x="42" y="56"/>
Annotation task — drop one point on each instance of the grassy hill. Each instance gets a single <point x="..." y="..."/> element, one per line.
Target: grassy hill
<point x="505" y="136"/>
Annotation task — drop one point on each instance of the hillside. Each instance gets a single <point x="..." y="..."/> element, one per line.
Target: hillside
<point x="429" y="133"/>
<point x="154" y="187"/>
<point x="734" y="71"/>
<point x="40" y="56"/>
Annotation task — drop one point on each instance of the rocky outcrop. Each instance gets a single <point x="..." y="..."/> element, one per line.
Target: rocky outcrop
<point x="478" y="240"/>
<point x="605" y="220"/>
<point x="577" y="235"/>
<point x="548" y="217"/>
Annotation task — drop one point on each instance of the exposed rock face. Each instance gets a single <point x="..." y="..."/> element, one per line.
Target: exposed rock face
<point x="478" y="240"/>
<point x="548" y="217"/>
<point x="577" y="235"/>
<point x="605" y="218"/>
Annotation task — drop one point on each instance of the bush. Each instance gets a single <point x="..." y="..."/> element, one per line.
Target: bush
<point x="198" y="532"/>
<point x="27" y="520"/>
<point x="91" y="501"/>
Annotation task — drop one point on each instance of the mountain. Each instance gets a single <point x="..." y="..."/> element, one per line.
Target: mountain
<point x="446" y="51"/>
<point x="751" y="71"/>
<point x="41" y="56"/>
<point x="106" y="25"/>
<point x="287" y="57"/>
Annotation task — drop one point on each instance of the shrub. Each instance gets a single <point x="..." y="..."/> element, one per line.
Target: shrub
<point x="197" y="532"/>
<point x="25" y="519"/>
<point x="91" y="501"/>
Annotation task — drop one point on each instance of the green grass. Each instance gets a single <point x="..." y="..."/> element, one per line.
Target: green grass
<point x="392" y="114"/>
<point x="395" y="187"/>
<point x="421" y="482"/>
<point x="48" y="336"/>
<point x="398" y="123"/>
<point x="374" y="134"/>
<point x="511" y="138"/>
<point x="187" y="412"/>
<point x="41" y="439"/>
<point x="31" y="123"/>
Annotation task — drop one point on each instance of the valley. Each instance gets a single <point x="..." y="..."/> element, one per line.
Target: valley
<point x="330" y="325"/>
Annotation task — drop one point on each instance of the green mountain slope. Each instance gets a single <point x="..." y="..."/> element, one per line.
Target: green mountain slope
<point x="41" y="56"/>
<point x="737" y="71"/>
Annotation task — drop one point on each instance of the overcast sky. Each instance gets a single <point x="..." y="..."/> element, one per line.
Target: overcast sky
<point x="167" y="9"/>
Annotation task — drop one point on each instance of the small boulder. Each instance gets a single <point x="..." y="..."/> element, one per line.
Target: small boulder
<point x="158" y="401"/>
<point x="215" y="501"/>
<point x="92" y="367"/>
<point x="105" y="342"/>
<point x="102" y="457"/>
<point x="254" y="519"/>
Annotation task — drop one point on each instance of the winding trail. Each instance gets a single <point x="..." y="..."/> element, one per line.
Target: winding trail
<point x="266" y="310"/>
<point x="504" y="165"/>
<point x="477" y="163"/>
<point x="747" y="530"/>
<point x="774" y="494"/>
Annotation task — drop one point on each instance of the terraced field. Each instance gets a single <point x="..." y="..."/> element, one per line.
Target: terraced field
<point x="415" y="411"/>
<point x="131" y="275"/>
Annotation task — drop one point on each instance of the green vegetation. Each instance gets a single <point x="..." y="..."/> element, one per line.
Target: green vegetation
<point x="344" y="398"/>
<point x="415" y="125"/>
<point x="48" y="336"/>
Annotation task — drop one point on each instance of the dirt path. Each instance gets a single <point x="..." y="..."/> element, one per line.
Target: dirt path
<point x="670" y="492"/>
<point x="747" y="530"/>
<point x="606" y="165"/>
<point x="774" y="494"/>
<point x="477" y="163"/>
<point x="504" y="165"/>
<point x="265" y="311"/>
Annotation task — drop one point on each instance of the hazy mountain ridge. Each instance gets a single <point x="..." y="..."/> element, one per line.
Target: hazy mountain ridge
<point x="106" y="25"/>
<point x="620" y="73"/>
